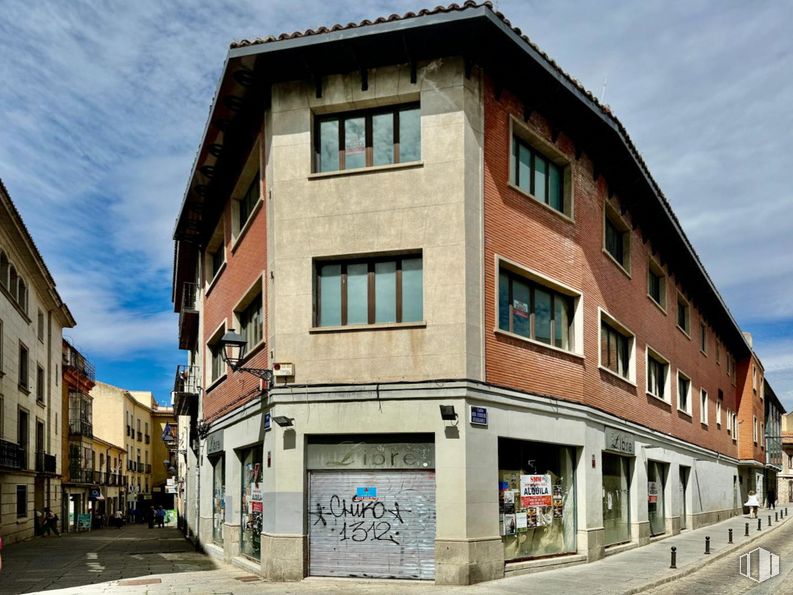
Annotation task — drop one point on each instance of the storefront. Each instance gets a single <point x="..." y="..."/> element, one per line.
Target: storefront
<point x="617" y="465"/>
<point x="536" y="499"/>
<point x="371" y="506"/>
<point x="251" y="502"/>
<point x="218" y="461"/>
<point x="656" y="505"/>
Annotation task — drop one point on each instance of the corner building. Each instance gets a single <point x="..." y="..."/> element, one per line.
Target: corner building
<point x="494" y="347"/>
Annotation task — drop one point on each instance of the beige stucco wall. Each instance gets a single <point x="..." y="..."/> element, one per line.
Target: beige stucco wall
<point x="393" y="209"/>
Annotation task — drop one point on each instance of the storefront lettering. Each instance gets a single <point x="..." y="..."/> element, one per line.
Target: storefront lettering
<point x="362" y="455"/>
<point x="618" y="441"/>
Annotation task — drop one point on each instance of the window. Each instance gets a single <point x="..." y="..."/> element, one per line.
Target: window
<point x="215" y="253"/>
<point x="249" y="200"/>
<point x="734" y="426"/>
<point x="369" y="291"/>
<point x="718" y="407"/>
<point x="657" y="375"/>
<point x="682" y="314"/>
<point x="23" y="368"/>
<point x="40" y="384"/>
<point x="718" y="352"/>
<point x="3" y="269"/>
<point x="656" y="284"/>
<point x="703" y="407"/>
<point x="754" y="428"/>
<point x="217" y="258"/>
<point x="217" y="368"/>
<point x="41" y="326"/>
<point x="616" y="238"/>
<point x="22" y="295"/>
<point x="534" y="311"/>
<point x="537" y="175"/>
<point x="22" y="501"/>
<point x="754" y="378"/>
<point x="251" y="327"/>
<point x="616" y="347"/>
<point x="683" y="392"/>
<point x="2" y="340"/>
<point x="703" y="338"/>
<point x="368" y="138"/>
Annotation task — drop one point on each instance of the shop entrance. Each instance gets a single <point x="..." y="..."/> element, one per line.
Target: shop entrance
<point x="251" y="503"/>
<point x="218" y="498"/>
<point x="372" y="523"/>
<point x="656" y="481"/>
<point x="685" y="472"/>
<point x="616" y="498"/>
<point x="536" y="498"/>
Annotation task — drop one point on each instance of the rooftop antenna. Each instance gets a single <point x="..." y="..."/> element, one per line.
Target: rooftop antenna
<point x="603" y="88"/>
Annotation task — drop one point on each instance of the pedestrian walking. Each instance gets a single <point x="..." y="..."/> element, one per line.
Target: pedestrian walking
<point x="150" y="517"/>
<point x="772" y="499"/>
<point x="119" y="519"/>
<point x="753" y="503"/>
<point x="160" y="517"/>
<point x="50" y="523"/>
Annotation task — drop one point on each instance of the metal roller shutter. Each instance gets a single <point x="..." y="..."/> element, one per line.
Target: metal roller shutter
<point x="387" y="533"/>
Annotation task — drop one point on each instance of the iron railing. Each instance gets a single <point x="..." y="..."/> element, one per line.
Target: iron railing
<point x="78" y="475"/>
<point x="187" y="380"/>
<point x="75" y="360"/>
<point x="12" y="455"/>
<point x="45" y="463"/>
<point x="81" y="427"/>
<point x="189" y="295"/>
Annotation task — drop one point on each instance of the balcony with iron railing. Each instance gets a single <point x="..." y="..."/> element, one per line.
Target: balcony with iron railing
<point x="73" y="359"/>
<point x="79" y="475"/>
<point x="146" y="439"/>
<point x="45" y="463"/>
<point x="81" y="427"/>
<point x="186" y="387"/>
<point x="188" y="316"/>
<point x="140" y="436"/>
<point x="12" y="455"/>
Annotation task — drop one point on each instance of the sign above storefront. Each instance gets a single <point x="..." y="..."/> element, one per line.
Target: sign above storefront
<point x="370" y="455"/>
<point x="215" y="442"/>
<point x="621" y="442"/>
<point x="478" y="416"/>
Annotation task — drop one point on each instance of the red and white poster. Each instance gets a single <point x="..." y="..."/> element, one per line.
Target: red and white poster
<point x="535" y="490"/>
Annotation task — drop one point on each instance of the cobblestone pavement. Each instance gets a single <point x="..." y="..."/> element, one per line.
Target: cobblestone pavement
<point x="722" y="577"/>
<point x="137" y="560"/>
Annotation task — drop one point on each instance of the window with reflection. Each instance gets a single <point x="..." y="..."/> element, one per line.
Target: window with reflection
<point x="534" y="311"/>
<point x="369" y="138"/>
<point x="536" y="174"/>
<point x="370" y="291"/>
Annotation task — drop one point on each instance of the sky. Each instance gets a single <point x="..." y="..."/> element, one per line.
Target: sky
<point x="102" y="107"/>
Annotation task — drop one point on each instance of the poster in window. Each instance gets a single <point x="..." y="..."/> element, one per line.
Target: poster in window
<point x="508" y="501"/>
<point x="520" y="309"/>
<point x="510" y="524"/>
<point x="535" y="490"/>
<point x="652" y="492"/>
<point x="521" y="521"/>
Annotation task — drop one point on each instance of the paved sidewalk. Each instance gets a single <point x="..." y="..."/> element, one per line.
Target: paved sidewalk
<point x="642" y="568"/>
<point x="139" y="560"/>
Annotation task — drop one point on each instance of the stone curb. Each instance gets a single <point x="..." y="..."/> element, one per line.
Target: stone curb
<point x="694" y="566"/>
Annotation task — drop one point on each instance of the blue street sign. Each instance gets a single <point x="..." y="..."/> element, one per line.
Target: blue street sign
<point x="479" y="416"/>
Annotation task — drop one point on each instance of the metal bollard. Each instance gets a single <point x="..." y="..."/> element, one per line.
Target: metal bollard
<point x="729" y="532"/>
<point x="776" y="517"/>
<point x="674" y="558"/>
<point x="759" y="524"/>
<point x="769" y="520"/>
<point x="746" y="534"/>
<point x="707" y="545"/>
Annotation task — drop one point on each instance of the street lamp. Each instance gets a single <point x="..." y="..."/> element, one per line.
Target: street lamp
<point x="232" y="350"/>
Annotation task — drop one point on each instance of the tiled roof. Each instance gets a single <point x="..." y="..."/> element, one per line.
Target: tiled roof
<point x="470" y="4"/>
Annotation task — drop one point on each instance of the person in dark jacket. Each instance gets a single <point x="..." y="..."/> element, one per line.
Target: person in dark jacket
<point x="150" y="517"/>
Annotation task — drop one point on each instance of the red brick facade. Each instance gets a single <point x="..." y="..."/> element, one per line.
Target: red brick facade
<point x="750" y="408"/>
<point x="246" y="263"/>
<point x="524" y="231"/>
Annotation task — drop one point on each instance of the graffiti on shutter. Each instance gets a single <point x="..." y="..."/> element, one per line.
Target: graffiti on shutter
<point x="372" y="524"/>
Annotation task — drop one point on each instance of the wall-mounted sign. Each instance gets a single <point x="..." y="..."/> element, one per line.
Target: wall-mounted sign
<point x="215" y="442"/>
<point x="369" y="455"/>
<point x="283" y="369"/>
<point x="619" y="441"/>
<point x="267" y="422"/>
<point x="478" y="416"/>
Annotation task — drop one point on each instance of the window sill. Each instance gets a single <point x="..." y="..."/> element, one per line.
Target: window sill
<point x="499" y="331"/>
<point x="657" y="305"/>
<point x="367" y="327"/>
<point x="238" y="239"/>
<point x="703" y="352"/>
<point x="215" y="383"/>
<point x="40" y="403"/>
<point x="214" y="281"/>
<point x="364" y="170"/>
<point x="684" y="331"/>
<point x="560" y="214"/>
<point x="616" y="375"/>
<point x="23" y="389"/>
<point x="684" y="412"/>
<point x="657" y="398"/>
<point x="620" y="266"/>
<point x="14" y="303"/>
